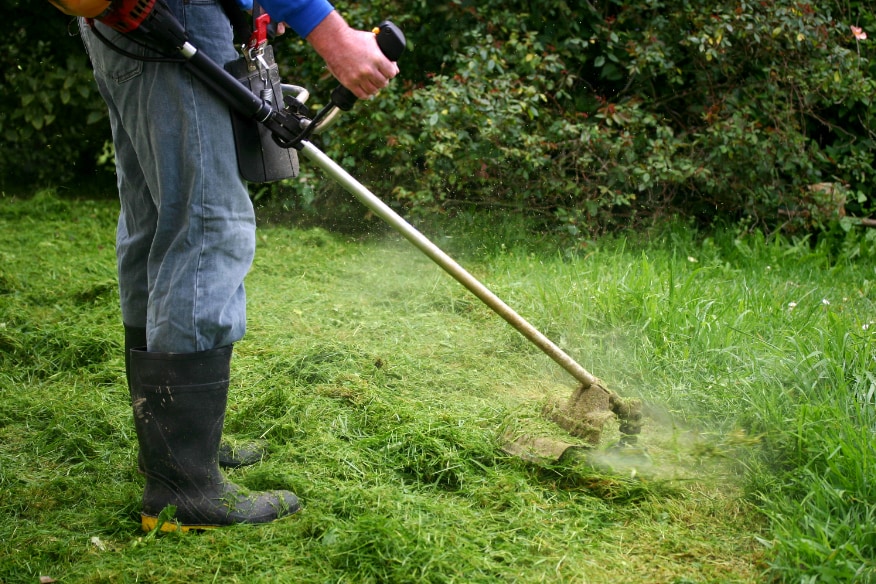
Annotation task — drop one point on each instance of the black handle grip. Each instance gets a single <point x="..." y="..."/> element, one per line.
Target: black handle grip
<point x="391" y="41"/>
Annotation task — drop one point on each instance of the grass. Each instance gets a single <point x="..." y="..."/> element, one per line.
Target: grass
<point x="383" y="389"/>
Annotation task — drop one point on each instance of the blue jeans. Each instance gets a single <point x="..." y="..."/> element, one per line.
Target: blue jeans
<point x="186" y="232"/>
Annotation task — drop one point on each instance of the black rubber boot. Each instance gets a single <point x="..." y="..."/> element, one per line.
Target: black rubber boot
<point x="242" y="454"/>
<point x="179" y="407"/>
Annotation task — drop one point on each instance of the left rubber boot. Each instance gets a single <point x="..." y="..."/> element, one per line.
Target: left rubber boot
<point x="240" y="454"/>
<point x="179" y="404"/>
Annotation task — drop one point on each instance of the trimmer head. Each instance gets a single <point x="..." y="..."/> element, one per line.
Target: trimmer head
<point x="590" y="407"/>
<point x="583" y="416"/>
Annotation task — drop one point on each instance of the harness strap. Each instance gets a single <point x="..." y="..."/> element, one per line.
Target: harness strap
<point x="239" y="22"/>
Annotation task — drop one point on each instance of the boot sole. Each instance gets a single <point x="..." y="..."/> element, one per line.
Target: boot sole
<point x="148" y="523"/>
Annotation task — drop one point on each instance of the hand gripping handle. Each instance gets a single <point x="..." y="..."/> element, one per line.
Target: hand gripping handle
<point x="391" y="41"/>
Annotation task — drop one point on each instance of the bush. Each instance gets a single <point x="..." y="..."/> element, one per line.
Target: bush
<point x="615" y="111"/>
<point x="51" y="113"/>
<point x="590" y="117"/>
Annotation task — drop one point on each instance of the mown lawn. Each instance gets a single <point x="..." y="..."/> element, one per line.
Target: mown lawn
<point x="383" y="389"/>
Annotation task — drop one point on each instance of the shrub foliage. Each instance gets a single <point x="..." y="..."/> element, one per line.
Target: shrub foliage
<point x="589" y="115"/>
<point x="52" y="120"/>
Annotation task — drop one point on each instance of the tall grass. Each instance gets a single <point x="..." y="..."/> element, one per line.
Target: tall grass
<point x="772" y="338"/>
<point x="383" y="390"/>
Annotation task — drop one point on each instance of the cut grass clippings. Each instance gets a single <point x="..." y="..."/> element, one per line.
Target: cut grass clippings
<point x="383" y="389"/>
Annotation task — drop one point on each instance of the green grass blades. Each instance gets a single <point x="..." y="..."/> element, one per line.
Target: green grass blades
<point x="383" y="390"/>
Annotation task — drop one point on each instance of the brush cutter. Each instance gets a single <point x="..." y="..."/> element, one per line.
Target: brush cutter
<point x="270" y="127"/>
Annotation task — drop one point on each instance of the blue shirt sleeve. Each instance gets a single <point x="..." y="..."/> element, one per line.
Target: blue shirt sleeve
<point x="301" y="15"/>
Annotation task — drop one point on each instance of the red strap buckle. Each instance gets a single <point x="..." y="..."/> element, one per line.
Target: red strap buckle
<point x="260" y="31"/>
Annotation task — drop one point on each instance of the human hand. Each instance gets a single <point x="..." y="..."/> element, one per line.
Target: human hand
<point x="352" y="56"/>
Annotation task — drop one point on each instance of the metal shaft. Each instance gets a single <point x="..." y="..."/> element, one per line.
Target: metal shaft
<point x="450" y="266"/>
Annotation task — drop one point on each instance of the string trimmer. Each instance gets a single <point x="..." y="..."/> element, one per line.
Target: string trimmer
<point x="271" y="126"/>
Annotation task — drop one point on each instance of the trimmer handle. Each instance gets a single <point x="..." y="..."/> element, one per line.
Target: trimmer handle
<point x="391" y="41"/>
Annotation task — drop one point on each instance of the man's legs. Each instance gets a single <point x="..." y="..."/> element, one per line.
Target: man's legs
<point x="185" y="240"/>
